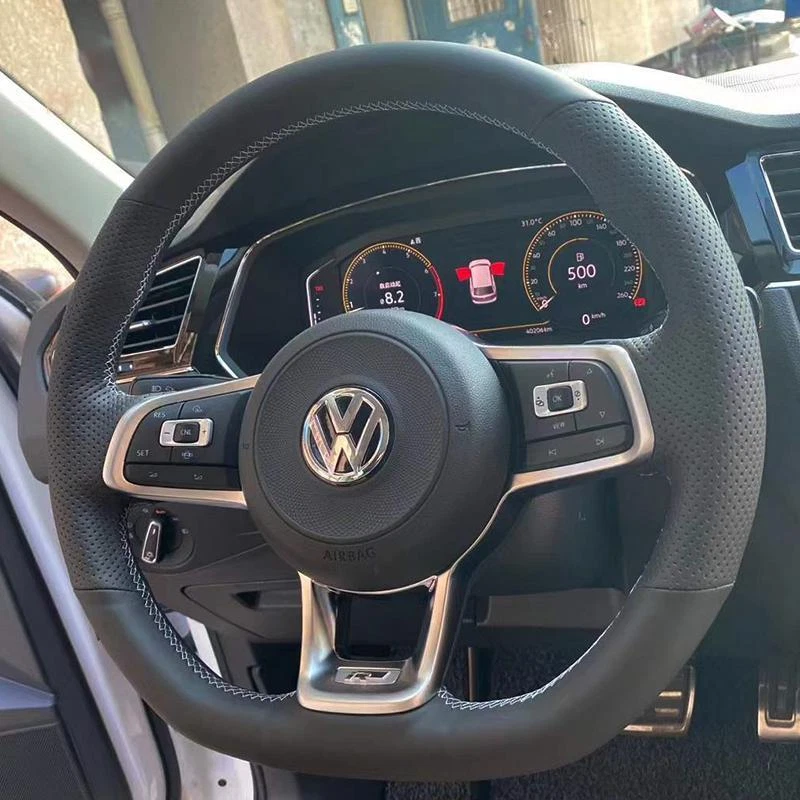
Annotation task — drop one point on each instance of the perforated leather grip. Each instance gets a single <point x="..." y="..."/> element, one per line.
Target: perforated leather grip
<point x="701" y="371"/>
<point x="701" y="374"/>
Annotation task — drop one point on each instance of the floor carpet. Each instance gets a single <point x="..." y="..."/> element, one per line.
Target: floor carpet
<point x="720" y="759"/>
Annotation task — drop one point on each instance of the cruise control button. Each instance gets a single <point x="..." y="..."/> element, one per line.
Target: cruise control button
<point x="225" y="412"/>
<point x="579" y="447"/>
<point x="144" y="446"/>
<point x="183" y="477"/>
<point x="606" y="405"/>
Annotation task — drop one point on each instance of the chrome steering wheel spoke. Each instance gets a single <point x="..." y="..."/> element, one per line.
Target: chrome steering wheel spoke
<point x="579" y="410"/>
<point x="330" y="682"/>
<point x="181" y="446"/>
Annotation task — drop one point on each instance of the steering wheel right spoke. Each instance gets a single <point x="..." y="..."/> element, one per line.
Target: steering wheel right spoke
<point x="580" y="411"/>
<point x="182" y="446"/>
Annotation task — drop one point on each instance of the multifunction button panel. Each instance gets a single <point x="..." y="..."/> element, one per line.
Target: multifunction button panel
<point x="571" y="411"/>
<point x="191" y="445"/>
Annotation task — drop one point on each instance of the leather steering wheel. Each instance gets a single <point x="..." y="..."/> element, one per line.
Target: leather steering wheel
<point x="694" y="407"/>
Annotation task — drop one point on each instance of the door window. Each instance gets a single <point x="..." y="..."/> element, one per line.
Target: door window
<point x="30" y="262"/>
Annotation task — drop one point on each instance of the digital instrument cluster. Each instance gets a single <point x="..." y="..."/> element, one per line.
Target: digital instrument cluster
<point x="564" y="275"/>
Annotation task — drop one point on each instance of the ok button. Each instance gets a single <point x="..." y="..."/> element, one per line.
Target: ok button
<point x="559" y="398"/>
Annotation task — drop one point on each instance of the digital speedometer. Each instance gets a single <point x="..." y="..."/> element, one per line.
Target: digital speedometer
<point x="392" y="275"/>
<point x="581" y="271"/>
<point x="577" y="279"/>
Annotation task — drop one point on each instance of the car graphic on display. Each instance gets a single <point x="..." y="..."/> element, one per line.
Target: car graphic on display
<point x="481" y="276"/>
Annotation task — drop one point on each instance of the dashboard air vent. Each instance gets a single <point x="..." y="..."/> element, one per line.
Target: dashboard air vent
<point x="782" y="171"/>
<point x="158" y="321"/>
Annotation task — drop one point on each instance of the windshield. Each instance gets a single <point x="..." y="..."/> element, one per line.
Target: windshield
<point x="129" y="74"/>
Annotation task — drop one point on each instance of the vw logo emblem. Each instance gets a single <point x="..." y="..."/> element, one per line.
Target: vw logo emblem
<point x="345" y="435"/>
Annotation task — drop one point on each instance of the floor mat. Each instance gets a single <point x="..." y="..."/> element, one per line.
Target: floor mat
<point x="720" y="759"/>
<point x="456" y="682"/>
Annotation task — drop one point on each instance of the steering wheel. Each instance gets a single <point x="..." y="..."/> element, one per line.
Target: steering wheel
<point x="381" y="451"/>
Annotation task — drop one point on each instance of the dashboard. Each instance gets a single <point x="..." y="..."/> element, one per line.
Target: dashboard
<point x="518" y="256"/>
<point x="576" y="274"/>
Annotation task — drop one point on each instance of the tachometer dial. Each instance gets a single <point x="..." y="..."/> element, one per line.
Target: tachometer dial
<point x="392" y="275"/>
<point x="580" y="269"/>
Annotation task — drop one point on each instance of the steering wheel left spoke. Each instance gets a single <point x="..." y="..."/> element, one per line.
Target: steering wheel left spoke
<point x="181" y="446"/>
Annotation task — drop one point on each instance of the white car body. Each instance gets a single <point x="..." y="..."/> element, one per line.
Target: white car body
<point x="482" y="286"/>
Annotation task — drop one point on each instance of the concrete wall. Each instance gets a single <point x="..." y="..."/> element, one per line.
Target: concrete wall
<point x="634" y="30"/>
<point x="387" y="20"/>
<point x="189" y="53"/>
<point x="271" y="33"/>
<point x="194" y="52"/>
<point x="38" y="50"/>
